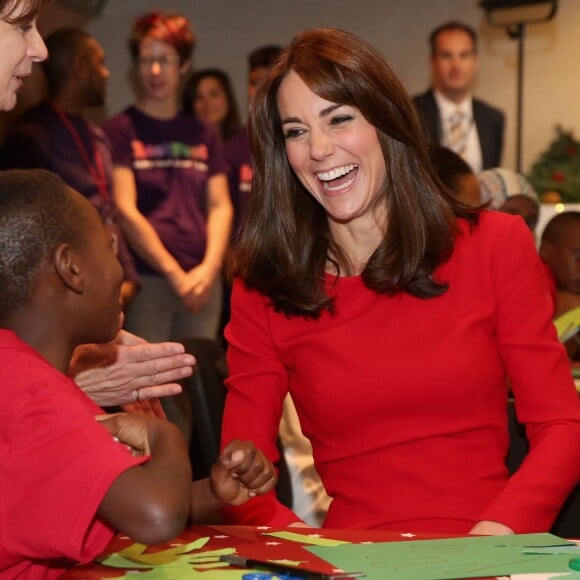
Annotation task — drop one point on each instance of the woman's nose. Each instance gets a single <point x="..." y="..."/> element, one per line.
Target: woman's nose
<point x="320" y="145"/>
<point x="37" y="50"/>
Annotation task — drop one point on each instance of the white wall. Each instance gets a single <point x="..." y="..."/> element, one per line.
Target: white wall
<point x="228" y="29"/>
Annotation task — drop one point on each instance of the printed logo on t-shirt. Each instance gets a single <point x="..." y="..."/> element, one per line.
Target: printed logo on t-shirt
<point x="245" y="178"/>
<point x="172" y="154"/>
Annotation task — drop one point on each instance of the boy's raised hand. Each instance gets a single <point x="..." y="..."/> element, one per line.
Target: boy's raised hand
<point x="241" y="472"/>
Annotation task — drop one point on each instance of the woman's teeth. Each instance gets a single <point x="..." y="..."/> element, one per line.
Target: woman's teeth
<point x="336" y="172"/>
<point x="334" y="175"/>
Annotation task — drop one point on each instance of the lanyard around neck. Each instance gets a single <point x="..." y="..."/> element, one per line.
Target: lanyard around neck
<point x="95" y="166"/>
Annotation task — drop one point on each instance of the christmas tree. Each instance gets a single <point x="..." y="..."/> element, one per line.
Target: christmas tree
<point x="556" y="174"/>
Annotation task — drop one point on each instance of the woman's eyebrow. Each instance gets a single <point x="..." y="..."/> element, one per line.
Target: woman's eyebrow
<point x="329" y="110"/>
<point x="322" y="113"/>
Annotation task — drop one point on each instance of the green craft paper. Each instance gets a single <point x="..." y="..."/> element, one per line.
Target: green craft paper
<point x="213" y="554"/>
<point x="183" y="573"/>
<point x="471" y="557"/>
<point x="567" y="325"/>
<point x="133" y="556"/>
<point x="573" y="550"/>
<point x="184" y="548"/>
<point x="305" y="539"/>
<point x="173" y="563"/>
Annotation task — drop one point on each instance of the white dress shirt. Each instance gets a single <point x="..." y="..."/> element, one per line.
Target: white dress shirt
<point x="471" y="151"/>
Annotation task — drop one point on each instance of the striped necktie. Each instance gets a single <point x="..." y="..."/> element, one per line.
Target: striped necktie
<point x="458" y="132"/>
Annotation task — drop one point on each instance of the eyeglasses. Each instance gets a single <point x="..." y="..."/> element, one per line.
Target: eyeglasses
<point x="165" y="61"/>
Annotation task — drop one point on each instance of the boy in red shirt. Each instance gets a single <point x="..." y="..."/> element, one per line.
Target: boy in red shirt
<point x="560" y="251"/>
<point x="69" y="476"/>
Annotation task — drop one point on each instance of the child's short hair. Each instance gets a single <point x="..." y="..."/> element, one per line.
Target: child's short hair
<point x="558" y="224"/>
<point x="169" y="27"/>
<point x="37" y="213"/>
<point x="450" y="166"/>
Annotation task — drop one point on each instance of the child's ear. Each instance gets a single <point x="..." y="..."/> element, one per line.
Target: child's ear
<point x="68" y="268"/>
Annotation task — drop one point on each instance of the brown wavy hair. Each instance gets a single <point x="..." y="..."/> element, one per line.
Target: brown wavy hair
<point x="285" y="243"/>
<point x="29" y="13"/>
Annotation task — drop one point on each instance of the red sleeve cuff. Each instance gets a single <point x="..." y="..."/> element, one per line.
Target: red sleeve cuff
<point x="264" y="510"/>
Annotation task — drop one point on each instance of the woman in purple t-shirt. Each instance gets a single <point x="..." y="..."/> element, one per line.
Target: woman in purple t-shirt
<point x="171" y="189"/>
<point x="209" y="96"/>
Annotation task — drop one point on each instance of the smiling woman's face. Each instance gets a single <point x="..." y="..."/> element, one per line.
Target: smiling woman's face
<point x="334" y="151"/>
<point x="20" y="46"/>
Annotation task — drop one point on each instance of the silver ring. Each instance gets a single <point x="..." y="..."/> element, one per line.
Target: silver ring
<point x="137" y="393"/>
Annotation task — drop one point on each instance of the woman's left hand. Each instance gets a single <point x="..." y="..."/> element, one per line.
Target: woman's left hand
<point x="489" y="528"/>
<point x="129" y="369"/>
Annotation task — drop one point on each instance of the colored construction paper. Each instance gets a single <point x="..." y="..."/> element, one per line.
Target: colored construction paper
<point x="181" y="561"/>
<point x="568" y="324"/>
<point x="312" y="539"/>
<point x="456" y="558"/>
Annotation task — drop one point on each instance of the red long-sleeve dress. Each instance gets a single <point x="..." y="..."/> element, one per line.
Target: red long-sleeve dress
<point x="404" y="399"/>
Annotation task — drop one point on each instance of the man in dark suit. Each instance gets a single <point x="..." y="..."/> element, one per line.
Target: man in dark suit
<point x="448" y="111"/>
